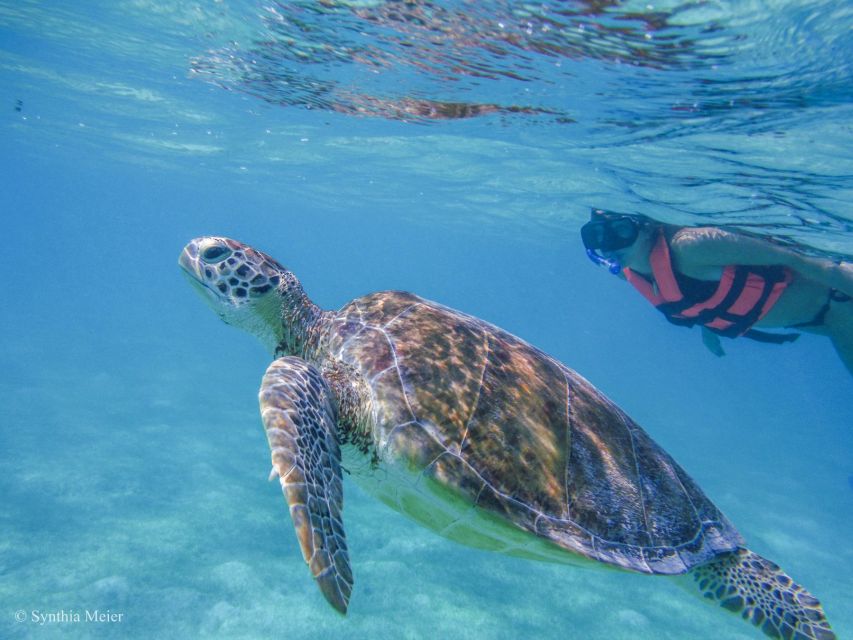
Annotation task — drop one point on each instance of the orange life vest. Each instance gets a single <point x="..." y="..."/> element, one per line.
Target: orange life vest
<point x="743" y="296"/>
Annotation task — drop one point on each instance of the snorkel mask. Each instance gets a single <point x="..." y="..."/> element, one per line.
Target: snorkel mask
<point x="608" y="232"/>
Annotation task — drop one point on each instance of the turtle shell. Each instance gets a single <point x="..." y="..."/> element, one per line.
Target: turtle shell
<point x="511" y="430"/>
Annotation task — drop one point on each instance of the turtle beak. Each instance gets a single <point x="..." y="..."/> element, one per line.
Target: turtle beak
<point x="188" y="260"/>
<point x="193" y="270"/>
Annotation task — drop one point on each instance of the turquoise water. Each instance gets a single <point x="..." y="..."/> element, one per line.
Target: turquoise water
<point x="134" y="465"/>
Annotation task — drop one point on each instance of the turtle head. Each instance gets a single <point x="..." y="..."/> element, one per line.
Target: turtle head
<point x="232" y="274"/>
<point x="243" y="285"/>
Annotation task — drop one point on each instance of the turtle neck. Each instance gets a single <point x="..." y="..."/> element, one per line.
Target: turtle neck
<point x="300" y="321"/>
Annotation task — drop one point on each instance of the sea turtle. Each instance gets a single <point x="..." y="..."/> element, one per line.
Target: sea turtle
<point x="476" y="435"/>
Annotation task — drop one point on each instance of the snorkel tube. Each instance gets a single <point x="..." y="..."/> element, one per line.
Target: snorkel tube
<point x="612" y="265"/>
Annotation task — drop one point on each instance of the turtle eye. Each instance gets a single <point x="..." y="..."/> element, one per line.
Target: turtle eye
<point x="215" y="253"/>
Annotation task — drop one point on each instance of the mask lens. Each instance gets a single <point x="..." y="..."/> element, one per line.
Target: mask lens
<point x="593" y="234"/>
<point x="609" y="234"/>
<point x="624" y="231"/>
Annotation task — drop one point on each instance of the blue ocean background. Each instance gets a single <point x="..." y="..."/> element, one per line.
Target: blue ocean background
<point x="133" y="465"/>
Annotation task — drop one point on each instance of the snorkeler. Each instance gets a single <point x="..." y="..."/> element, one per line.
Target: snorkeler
<point x="727" y="282"/>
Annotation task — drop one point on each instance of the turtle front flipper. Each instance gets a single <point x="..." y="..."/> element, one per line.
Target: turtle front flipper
<point x="300" y="422"/>
<point x="759" y="591"/>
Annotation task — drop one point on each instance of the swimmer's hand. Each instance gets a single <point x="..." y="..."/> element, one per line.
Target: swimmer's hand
<point x="712" y="341"/>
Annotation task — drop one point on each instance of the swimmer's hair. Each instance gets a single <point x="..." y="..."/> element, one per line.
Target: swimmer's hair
<point x="642" y="220"/>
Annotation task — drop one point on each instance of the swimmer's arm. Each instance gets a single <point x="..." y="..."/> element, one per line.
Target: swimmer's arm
<point x="706" y="247"/>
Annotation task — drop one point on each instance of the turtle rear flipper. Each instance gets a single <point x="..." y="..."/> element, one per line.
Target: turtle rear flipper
<point x="759" y="591"/>
<point x="300" y="422"/>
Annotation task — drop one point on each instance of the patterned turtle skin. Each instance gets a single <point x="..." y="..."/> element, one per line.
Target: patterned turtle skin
<point x="478" y="436"/>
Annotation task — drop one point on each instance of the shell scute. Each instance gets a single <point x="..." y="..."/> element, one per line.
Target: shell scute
<point x="605" y="498"/>
<point x="455" y="355"/>
<point x="451" y="470"/>
<point x="663" y="560"/>
<point x="516" y="437"/>
<point x="411" y="442"/>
